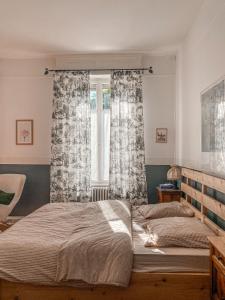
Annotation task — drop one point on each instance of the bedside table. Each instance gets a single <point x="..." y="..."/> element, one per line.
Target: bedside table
<point x="168" y="195"/>
<point x="217" y="267"/>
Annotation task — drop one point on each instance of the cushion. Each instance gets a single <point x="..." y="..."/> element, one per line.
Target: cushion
<point x="178" y="232"/>
<point x="164" y="210"/>
<point x="6" y="198"/>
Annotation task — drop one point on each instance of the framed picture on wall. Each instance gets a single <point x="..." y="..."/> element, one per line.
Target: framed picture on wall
<point x="24" y="132"/>
<point x="161" y="135"/>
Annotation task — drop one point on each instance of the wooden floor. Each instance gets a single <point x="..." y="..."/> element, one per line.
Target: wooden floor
<point x="152" y="286"/>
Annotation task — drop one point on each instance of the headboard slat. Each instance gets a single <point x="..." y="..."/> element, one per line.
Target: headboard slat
<point x="215" y="206"/>
<point x="206" y="202"/>
<point x="215" y="228"/>
<point x="196" y="212"/>
<point x="218" y="184"/>
<point x="191" y="192"/>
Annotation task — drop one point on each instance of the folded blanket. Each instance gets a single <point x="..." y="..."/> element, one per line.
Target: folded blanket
<point x="62" y="243"/>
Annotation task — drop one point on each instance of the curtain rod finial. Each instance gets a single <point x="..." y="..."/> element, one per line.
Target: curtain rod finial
<point x="46" y="71"/>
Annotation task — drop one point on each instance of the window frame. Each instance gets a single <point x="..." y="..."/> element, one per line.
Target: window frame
<point x="99" y="85"/>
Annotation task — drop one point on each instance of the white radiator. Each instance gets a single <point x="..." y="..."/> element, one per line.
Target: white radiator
<point x="99" y="193"/>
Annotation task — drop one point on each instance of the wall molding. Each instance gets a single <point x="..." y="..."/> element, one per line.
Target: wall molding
<point x="30" y="77"/>
<point x="46" y="161"/>
<point x="159" y="161"/>
<point x="98" y="61"/>
<point x="25" y="161"/>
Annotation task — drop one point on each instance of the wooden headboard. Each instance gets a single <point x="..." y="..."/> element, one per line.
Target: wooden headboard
<point x="205" y="202"/>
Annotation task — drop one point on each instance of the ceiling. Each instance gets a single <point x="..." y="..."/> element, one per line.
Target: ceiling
<point x="33" y="28"/>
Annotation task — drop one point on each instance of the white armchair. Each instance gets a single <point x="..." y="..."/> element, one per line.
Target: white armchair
<point x="11" y="183"/>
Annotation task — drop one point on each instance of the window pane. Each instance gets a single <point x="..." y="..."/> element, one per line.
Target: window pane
<point x="106" y="132"/>
<point x="100" y="131"/>
<point x="106" y="98"/>
<point x="93" y="96"/>
<point x="94" y="136"/>
<point x="106" y="143"/>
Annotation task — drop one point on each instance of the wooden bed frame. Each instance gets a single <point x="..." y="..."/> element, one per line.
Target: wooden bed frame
<point x="157" y="286"/>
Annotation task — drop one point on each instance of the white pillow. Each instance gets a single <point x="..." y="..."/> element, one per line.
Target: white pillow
<point x="164" y="210"/>
<point x="178" y="232"/>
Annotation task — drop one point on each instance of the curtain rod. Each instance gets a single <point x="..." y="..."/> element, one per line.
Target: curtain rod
<point x="150" y="70"/>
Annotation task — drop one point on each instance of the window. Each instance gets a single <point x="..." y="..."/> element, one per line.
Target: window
<point x="100" y="128"/>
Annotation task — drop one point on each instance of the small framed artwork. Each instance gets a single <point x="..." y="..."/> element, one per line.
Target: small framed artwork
<point x="161" y="135"/>
<point x="24" y="132"/>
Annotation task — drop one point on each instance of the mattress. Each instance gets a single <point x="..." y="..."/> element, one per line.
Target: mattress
<point x="148" y="259"/>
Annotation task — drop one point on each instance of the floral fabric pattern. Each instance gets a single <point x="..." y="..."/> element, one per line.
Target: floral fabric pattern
<point x="127" y="152"/>
<point x="70" y="149"/>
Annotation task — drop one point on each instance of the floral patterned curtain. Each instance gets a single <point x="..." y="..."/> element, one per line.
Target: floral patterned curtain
<point x="70" y="151"/>
<point x="127" y="153"/>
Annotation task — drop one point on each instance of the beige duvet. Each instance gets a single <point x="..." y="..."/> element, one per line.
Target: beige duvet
<point x="63" y="243"/>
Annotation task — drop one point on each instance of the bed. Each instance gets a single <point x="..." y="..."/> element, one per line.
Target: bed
<point x="163" y="279"/>
<point x="168" y="260"/>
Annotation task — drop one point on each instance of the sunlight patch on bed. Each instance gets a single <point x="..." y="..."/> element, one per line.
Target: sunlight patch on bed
<point x="153" y="238"/>
<point x="156" y="250"/>
<point x="107" y="210"/>
<point x="116" y="224"/>
<point x="124" y="206"/>
<point x="143" y="237"/>
<point x="137" y="227"/>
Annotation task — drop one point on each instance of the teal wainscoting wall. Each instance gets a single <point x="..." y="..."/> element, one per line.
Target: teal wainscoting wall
<point x="37" y="187"/>
<point x="36" y="190"/>
<point x="155" y="174"/>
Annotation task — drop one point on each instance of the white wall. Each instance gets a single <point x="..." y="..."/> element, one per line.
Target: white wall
<point x="159" y="110"/>
<point x="201" y="62"/>
<point x="25" y="93"/>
